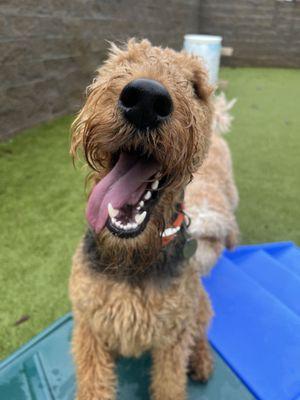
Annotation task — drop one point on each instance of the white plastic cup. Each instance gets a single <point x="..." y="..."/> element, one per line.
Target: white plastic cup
<point x="207" y="47"/>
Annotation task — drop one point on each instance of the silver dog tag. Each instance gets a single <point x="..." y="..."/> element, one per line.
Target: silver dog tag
<point x="190" y="247"/>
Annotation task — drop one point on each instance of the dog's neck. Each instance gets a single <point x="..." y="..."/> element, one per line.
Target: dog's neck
<point x="168" y="264"/>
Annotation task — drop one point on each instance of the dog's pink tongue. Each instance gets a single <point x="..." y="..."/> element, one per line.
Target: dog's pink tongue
<point x="118" y="187"/>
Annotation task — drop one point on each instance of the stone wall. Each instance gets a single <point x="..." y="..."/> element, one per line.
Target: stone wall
<point x="49" y="49"/>
<point x="262" y="32"/>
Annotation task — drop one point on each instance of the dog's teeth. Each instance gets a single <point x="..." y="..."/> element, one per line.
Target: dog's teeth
<point x="147" y="195"/>
<point x="138" y="208"/>
<point x="170" y="231"/>
<point x="134" y="225"/>
<point x="167" y="232"/>
<point x="155" y="184"/>
<point x="111" y="211"/>
<point x="127" y="227"/>
<point x="141" y="203"/>
<point x="114" y="221"/>
<point x="139" y="218"/>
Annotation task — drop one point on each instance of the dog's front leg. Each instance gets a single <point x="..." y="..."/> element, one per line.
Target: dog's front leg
<point x="169" y="371"/>
<point x="95" y="366"/>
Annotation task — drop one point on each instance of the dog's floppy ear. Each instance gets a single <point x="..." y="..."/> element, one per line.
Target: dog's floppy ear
<point x="80" y="130"/>
<point x="76" y="138"/>
<point x="83" y="122"/>
<point x="197" y="74"/>
<point x="201" y="86"/>
<point x="200" y="82"/>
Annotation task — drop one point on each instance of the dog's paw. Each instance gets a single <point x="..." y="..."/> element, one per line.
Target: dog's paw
<point x="201" y="367"/>
<point x="202" y="372"/>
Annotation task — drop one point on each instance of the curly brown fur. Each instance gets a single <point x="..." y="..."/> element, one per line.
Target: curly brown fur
<point x="168" y="263"/>
<point x="167" y="315"/>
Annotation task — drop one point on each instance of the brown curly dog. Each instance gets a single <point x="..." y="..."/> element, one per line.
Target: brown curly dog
<point x="146" y="132"/>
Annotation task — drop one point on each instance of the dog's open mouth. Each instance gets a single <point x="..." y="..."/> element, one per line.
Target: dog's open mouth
<point x="122" y="201"/>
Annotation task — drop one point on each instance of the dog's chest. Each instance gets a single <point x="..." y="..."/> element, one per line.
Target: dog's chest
<point x="132" y="320"/>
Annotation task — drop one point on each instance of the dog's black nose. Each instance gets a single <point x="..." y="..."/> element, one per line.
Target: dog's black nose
<point x="145" y="103"/>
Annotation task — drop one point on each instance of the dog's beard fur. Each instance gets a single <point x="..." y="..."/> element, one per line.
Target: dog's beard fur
<point x="133" y="257"/>
<point x="178" y="145"/>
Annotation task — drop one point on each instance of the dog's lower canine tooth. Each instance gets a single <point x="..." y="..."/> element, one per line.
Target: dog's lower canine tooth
<point x="147" y="195"/>
<point x="155" y="184"/>
<point x="139" y="218"/>
<point x="111" y="211"/>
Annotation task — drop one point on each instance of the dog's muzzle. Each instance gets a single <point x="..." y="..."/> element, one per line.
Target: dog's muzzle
<point x="145" y="103"/>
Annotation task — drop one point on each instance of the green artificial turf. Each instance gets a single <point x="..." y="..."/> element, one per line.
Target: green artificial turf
<point x="265" y="143"/>
<point x="42" y="218"/>
<point x="42" y="196"/>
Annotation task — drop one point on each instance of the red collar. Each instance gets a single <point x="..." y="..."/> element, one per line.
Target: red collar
<point x="171" y="231"/>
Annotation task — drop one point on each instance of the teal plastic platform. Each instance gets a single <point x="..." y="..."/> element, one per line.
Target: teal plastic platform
<point x="43" y="370"/>
<point x="255" y="292"/>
